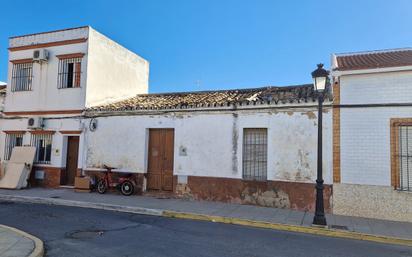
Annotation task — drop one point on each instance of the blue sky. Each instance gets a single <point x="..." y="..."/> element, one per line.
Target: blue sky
<point x="220" y="44"/>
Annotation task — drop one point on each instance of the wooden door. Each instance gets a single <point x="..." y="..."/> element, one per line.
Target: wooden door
<point x="160" y="163"/>
<point x="72" y="158"/>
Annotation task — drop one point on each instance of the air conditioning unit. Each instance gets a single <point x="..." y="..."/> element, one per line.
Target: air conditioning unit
<point x="35" y="123"/>
<point x="41" y="55"/>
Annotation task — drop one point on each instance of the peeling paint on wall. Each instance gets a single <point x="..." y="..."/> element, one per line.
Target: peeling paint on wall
<point x="311" y="115"/>
<point x="270" y="198"/>
<point x="278" y="194"/>
<point x="235" y="137"/>
<point x="214" y="142"/>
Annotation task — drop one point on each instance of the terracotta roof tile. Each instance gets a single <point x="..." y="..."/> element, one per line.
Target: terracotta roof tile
<point x="373" y="60"/>
<point x="268" y="95"/>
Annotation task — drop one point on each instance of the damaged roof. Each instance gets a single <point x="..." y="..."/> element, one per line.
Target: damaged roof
<point x="374" y="59"/>
<point x="3" y="89"/>
<point x="202" y="99"/>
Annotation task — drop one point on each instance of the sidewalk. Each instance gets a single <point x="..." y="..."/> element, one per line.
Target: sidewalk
<point x="14" y="242"/>
<point x="283" y="219"/>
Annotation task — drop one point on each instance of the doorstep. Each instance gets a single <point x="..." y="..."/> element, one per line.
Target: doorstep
<point x="66" y="186"/>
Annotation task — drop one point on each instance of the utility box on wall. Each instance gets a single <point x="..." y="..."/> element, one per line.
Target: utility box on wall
<point x="39" y="174"/>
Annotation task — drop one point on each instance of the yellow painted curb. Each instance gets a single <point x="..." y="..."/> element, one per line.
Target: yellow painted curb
<point x="38" y="250"/>
<point x="292" y="228"/>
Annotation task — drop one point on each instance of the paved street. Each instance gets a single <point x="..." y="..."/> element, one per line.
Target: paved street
<point x="228" y="210"/>
<point x="69" y="231"/>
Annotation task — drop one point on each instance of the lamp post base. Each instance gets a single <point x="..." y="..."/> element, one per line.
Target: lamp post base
<point x="319" y="221"/>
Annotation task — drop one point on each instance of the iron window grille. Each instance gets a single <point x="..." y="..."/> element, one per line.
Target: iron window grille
<point x="69" y="73"/>
<point x="255" y="154"/>
<point x="22" y="76"/>
<point x="405" y="158"/>
<point x="12" y="140"/>
<point x="43" y="144"/>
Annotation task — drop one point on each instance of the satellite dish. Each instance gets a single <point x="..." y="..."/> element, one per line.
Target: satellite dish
<point x="93" y="124"/>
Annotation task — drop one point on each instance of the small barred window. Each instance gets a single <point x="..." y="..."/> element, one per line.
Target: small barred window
<point x="12" y="140"/>
<point x="255" y="154"/>
<point x="43" y="144"/>
<point x="22" y="76"/>
<point x="69" y="72"/>
<point x="405" y="158"/>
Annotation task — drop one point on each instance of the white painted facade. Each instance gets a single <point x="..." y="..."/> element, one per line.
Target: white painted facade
<point x="109" y="72"/>
<point x="365" y="150"/>
<point x="213" y="141"/>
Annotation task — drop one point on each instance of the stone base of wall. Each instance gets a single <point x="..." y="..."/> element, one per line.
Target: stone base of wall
<point x="279" y="194"/>
<point x="379" y="202"/>
<point x="137" y="178"/>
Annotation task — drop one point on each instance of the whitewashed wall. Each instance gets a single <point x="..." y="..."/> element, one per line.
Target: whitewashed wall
<point x="110" y="73"/>
<point x="59" y="141"/>
<point x="365" y="188"/>
<point x="365" y="144"/>
<point x="365" y="132"/>
<point x="47" y="37"/>
<point x="115" y="73"/>
<point x="213" y="141"/>
<point x="45" y="95"/>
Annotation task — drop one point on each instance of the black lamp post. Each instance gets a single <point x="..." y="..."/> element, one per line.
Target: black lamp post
<point x="320" y="79"/>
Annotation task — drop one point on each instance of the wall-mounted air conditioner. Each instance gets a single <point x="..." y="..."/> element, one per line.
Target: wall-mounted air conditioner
<point x="35" y="123"/>
<point x="41" y="55"/>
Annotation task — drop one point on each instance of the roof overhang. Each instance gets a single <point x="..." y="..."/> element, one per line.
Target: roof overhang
<point x="337" y="73"/>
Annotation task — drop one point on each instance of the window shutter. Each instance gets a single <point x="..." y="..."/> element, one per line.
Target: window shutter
<point x="77" y="71"/>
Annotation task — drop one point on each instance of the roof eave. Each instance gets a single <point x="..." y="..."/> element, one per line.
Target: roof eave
<point x="338" y="73"/>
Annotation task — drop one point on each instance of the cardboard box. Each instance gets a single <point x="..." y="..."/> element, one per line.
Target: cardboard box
<point x="82" y="183"/>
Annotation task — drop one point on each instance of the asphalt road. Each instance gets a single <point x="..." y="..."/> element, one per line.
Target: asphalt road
<point x="68" y="231"/>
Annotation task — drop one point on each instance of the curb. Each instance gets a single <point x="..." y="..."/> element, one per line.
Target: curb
<point x="80" y="204"/>
<point x="291" y="228"/>
<point x="219" y="219"/>
<point x="38" y="250"/>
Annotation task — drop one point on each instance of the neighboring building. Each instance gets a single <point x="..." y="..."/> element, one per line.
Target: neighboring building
<point x="372" y="146"/>
<point x="3" y="90"/>
<point x="52" y="78"/>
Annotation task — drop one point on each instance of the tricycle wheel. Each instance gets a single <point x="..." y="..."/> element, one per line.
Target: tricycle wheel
<point x="127" y="188"/>
<point x="101" y="186"/>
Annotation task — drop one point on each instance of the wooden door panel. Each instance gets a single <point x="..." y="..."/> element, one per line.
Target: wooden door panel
<point x="154" y="181"/>
<point x="167" y="182"/>
<point x="72" y="159"/>
<point x="160" y="163"/>
<point x="155" y="151"/>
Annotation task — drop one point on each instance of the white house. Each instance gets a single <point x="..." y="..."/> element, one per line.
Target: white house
<point x="83" y="101"/>
<point x="372" y="146"/>
<point x="52" y="77"/>
<point x="253" y="146"/>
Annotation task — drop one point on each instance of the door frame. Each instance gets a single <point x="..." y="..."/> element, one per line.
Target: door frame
<point x="147" y="159"/>
<point x="64" y="178"/>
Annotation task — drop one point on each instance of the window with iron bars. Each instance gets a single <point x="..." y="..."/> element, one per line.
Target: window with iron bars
<point x="22" y="76"/>
<point x="405" y="158"/>
<point x="12" y="140"/>
<point x="69" y="72"/>
<point x="43" y="144"/>
<point x="255" y="154"/>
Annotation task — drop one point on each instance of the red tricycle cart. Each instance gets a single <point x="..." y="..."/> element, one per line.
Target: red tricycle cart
<point x="123" y="183"/>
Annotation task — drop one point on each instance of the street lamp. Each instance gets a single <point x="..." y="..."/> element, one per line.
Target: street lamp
<point x="320" y="79"/>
